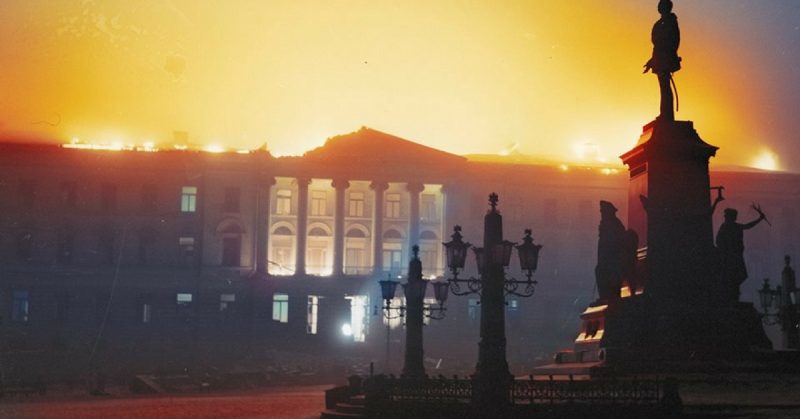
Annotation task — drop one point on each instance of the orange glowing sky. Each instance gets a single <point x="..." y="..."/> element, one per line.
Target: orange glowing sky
<point x="542" y="77"/>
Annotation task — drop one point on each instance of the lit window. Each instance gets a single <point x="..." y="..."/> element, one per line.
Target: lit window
<point x="359" y="310"/>
<point x="21" y="307"/>
<point x="226" y="301"/>
<point x="313" y="313"/>
<point x="147" y="312"/>
<point x="318" y="203"/>
<point x="392" y="258"/>
<point x="355" y="261"/>
<point x="429" y="258"/>
<point x="392" y="205"/>
<point x="473" y="309"/>
<point x="183" y="299"/>
<point x="283" y="203"/>
<point x="280" y="308"/>
<point x="183" y="304"/>
<point x="428" y="210"/>
<point x="189" y="199"/>
<point x="144" y="302"/>
<point x="232" y="198"/>
<point x="355" y="205"/>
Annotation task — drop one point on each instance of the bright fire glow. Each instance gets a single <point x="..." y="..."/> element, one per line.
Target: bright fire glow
<point x="214" y="148"/>
<point x="767" y="160"/>
<point x="537" y="75"/>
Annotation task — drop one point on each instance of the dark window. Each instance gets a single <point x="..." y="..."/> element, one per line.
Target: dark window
<point x="283" y="231"/>
<point x="101" y="306"/>
<point x="21" y="307"/>
<point x="232" y="197"/>
<point x="231" y="251"/>
<point x="226" y="302"/>
<point x="69" y="194"/>
<point x="145" y="305"/>
<point x="62" y="305"/>
<point x="317" y="232"/>
<point x="147" y="238"/>
<point x="108" y="198"/>
<point x="428" y="235"/>
<point x="186" y="244"/>
<point x="27" y="194"/>
<point x="354" y="232"/>
<point x="149" y="198"/>
<point x="65" y="243"/>
<point x="25" y="246"/>
<point x="106" y="248"/>
<point x="392" y="234"/>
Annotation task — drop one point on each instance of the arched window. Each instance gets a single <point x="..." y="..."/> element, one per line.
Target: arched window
<point x="355" y="233"/>
<point x="392" y="234"/>
<point x="282" y="231"/>
<point x="318" y="232"/>
<point x="428" y="235"/>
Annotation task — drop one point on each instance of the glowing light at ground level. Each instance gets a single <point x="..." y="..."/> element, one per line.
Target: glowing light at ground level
<point x="347" y="330"/>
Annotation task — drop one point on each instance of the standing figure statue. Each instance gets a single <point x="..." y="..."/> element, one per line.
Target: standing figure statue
<point x="666" y="37"/>
<point x="611" y="246"/>
<point x="730" y="245"/>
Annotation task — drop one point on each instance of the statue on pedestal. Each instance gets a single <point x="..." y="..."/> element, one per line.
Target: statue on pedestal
<point x="666" y="37"/>
<point x="730" y="244"/>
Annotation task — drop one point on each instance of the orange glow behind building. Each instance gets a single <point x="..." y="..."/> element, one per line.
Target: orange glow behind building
<point x="547" y="77"/>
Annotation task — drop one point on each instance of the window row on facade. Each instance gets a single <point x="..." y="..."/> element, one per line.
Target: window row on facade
<point x="111" y="198"/>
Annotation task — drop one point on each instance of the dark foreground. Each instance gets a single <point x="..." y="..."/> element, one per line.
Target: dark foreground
<point x="274" y="403"/>
<point x="717" y="397"/>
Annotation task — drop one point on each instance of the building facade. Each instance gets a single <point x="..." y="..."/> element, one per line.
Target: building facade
<point x="132" y="260"/>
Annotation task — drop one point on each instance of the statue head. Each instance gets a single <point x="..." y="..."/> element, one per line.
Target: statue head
<point x="731" y="214"/>
<point x="787" y="259"/>
<point x="664" y="6"/>
<point x="607" y="208"/>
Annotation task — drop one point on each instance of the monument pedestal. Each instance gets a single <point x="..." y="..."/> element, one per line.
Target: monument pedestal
<point x="675" y="309"/>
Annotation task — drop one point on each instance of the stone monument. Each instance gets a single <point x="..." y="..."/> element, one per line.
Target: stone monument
<point x="670" y="304"/>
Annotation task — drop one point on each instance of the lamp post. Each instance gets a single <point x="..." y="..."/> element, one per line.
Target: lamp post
<point x="414" y="312"/>
<point x="492" y="379"/>
<point x="781" y="305"/>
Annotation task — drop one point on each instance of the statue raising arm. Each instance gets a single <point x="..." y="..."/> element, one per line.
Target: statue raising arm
<point x="761" y="216"/>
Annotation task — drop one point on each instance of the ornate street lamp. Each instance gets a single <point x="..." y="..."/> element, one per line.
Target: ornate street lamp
<point x="414" y="312"/>
<point x="492" y="377"/>
<point x="780" y="307"/>
<point x="388" y="289"/>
